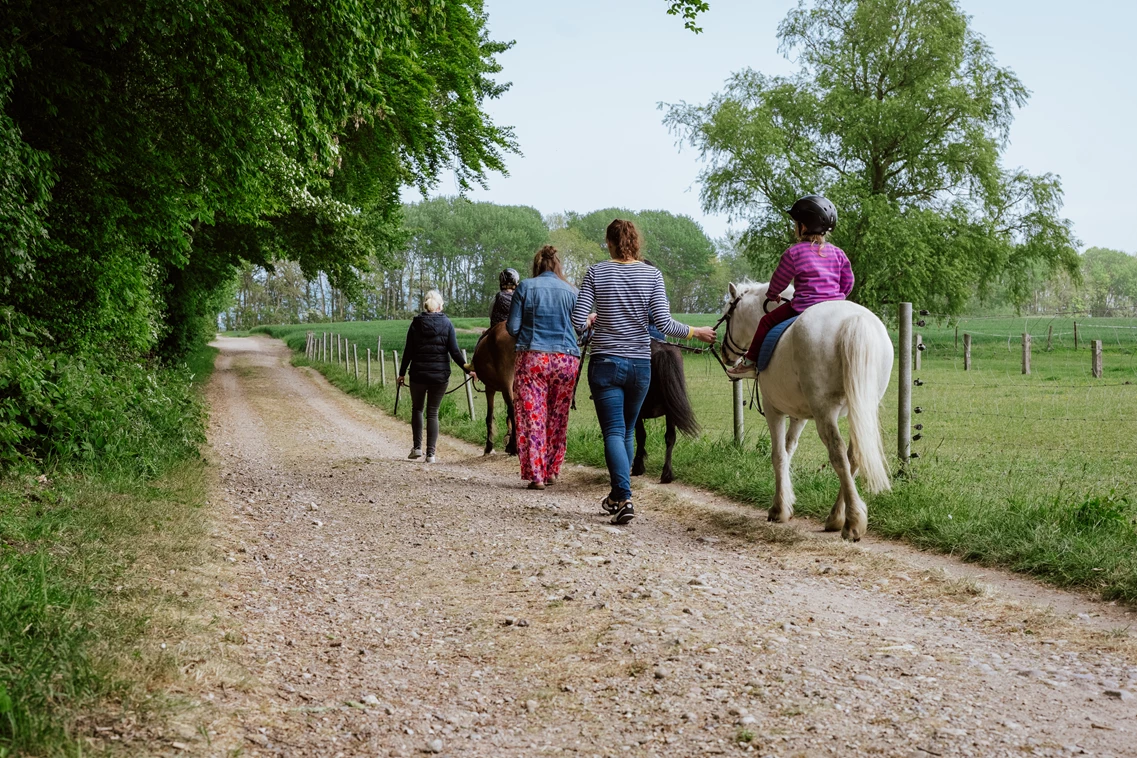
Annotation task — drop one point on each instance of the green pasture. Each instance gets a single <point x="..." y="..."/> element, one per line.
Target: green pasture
<point x="1034" y="473"/>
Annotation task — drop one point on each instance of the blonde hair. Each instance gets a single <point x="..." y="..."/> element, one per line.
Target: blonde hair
<point x="816" y="239"/>
<point x="432" y="301"/>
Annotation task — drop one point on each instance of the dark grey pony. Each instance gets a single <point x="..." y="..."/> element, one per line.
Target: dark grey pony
<point x="667" y="397"/>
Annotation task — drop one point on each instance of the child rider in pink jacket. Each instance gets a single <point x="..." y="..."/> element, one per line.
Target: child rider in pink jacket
<point x="819" y="270"/>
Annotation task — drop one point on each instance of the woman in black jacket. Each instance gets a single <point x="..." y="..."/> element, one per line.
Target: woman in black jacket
<point x="430" y="342"/>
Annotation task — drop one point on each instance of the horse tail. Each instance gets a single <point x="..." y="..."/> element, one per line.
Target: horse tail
<point x="667" y="372"/>
<point x="862" y="381"/>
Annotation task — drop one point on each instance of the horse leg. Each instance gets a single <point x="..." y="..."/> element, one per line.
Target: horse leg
<point x="836" y="520"/>
<point x="783" y="507"/>
<point x="489" y="421"/>
<point x="641" y="448"/>
<point x="856" y="514"/>
<point x="794" y="435"/>
<point x="669" y="437"/>
<point x="510" y="424"/>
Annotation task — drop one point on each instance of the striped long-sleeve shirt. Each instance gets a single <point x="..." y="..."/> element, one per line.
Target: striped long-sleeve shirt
<point x="626" y="297"/>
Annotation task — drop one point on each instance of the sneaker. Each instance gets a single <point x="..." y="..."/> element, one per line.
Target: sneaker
<point x="742" y="369"/>
<point x="608" y="506"/>
<point x="416" y="453"/>
<point x="624" y="514"/>
<point x="536" y="485"/>
<point x="431" y="458"/>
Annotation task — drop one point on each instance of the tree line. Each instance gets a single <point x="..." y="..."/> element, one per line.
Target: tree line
<point x="458" y="247"/>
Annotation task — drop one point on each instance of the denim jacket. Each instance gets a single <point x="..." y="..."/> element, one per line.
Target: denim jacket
<point x="539" y="316"/>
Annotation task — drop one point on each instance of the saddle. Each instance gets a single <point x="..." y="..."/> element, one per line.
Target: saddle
<point x="766" y="352"/>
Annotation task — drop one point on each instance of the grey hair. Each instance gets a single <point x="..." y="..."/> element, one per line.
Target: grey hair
<point x="432" y="301"/>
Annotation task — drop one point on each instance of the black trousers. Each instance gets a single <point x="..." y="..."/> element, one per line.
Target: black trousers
<point x="428" y="396"/>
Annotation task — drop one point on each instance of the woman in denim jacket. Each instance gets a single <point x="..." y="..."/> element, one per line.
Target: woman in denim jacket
<point x="545" y="369"/>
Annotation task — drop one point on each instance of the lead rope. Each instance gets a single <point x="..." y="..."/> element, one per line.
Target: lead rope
<point x="585" y="341"/>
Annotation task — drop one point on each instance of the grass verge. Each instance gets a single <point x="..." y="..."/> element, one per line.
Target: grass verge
<point x="80" y="554"/>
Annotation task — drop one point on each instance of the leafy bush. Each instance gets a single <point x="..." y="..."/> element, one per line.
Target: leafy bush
<point x="67" y="411"/>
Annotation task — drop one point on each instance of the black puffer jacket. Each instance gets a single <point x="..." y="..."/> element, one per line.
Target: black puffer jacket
<point x="430" y="342"/>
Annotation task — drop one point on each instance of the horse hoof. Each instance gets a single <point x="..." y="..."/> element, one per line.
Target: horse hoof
<point x="834" y="526"/>
<point x="852" y="535"/>
<point x="779" y="517"/>
<point x="667" y="478"/>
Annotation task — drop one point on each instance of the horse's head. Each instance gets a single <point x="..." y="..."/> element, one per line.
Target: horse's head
<point x="742" y="309"/>
<point x="751" y="290"/>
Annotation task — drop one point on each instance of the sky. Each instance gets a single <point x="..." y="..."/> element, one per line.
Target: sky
<point x="588" y="75"/>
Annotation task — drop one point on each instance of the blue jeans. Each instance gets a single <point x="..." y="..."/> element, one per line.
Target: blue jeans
<point x="619" y="386"/>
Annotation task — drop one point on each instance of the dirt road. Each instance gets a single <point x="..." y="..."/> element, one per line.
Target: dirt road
<point x="380" y="606"/>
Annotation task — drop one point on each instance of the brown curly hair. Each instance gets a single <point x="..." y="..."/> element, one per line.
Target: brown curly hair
<point x="548" y="259"/>
<point x="625" y="240"/>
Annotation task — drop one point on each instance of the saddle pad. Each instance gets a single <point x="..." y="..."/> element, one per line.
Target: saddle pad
<point x="766" y="352"/>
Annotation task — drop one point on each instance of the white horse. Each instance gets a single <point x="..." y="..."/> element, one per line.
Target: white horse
<point x="834" y="360"/>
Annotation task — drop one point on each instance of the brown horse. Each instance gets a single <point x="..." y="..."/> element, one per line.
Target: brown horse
<point x="493" y="362"/>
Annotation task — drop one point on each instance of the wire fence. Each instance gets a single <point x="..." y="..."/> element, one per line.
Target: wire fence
<point x="985" y="426"/>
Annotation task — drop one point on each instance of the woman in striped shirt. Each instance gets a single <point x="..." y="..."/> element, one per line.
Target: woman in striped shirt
<point x="627" y="295"/>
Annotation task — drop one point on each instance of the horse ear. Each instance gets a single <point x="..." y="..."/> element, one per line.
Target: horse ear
<point x="733" y="290"/>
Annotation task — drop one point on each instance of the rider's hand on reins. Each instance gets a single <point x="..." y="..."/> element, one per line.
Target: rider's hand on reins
<point x="401" y="381"/>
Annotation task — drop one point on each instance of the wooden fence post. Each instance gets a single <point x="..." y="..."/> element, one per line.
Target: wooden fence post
<point x="956" y="337"/>
<point x="919" y="352"/>
<point x="739" y="405"/>
<point x="1075" y="335"/>
<point x="904" y="411"/>
<point x="355" y="357"/>
<point x="1095" y="365"/>
<point x="324" y="347"/>
<point x="966" y="352"/>
<point x="395" y="359"/>
<point x="1026" y="354"/>
<point x="469" y="388"/>
<point x="382" y="369"/>
<point x="1050" y="338"/>
<point x="368" y="367"/>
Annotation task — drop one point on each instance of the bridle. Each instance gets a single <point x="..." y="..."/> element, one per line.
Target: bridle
<point x="730" y="346"/>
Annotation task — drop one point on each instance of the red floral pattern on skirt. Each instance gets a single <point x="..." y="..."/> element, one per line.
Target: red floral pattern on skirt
<point x="542" y="395"/>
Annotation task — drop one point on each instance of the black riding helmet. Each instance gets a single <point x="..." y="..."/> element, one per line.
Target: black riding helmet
<point x="509" y="278"/>
<point x="815" y="213"/>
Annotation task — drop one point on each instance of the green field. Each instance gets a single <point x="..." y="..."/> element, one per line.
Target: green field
<point x="1033" y="473"/>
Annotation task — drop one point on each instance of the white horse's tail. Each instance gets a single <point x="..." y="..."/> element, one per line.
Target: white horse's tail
<point x="862" y="384"/>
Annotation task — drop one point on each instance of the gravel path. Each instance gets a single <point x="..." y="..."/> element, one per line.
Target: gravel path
<point x="389" y="607"/>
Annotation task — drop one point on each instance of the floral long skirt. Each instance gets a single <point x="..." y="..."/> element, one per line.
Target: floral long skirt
<point x="542" y="394"/>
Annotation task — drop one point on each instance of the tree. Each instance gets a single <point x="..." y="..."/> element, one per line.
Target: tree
<point x="676" y="244"/>
<point x="151" y="147"/>
<point x="459" y="247"/>
<point x="898" y="114"/>
<point x="1110" y="281"/>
